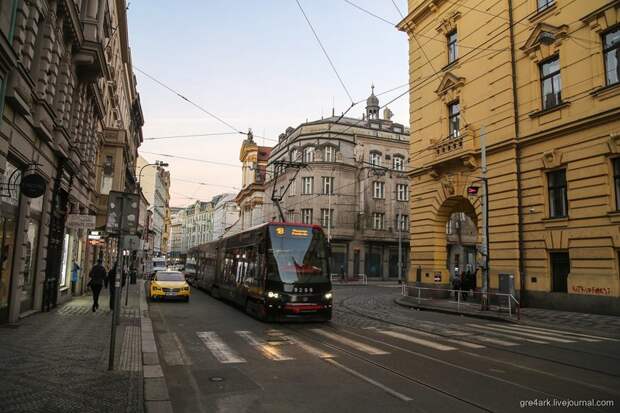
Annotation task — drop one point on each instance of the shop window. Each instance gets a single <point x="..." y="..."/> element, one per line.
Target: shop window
<point x="611" y="52"/>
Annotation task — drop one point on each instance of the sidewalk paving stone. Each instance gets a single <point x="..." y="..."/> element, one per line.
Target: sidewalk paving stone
<point x="57" y="361"/>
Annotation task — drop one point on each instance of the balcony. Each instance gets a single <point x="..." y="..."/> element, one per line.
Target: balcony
<point x="449" y="148"/>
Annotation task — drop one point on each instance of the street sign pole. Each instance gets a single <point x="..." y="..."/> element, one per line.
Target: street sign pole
<point x="485" y="221"/>
<point x="119" y="252"/>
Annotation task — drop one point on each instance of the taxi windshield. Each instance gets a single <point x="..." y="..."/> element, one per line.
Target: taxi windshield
<point x="169" y="276"/>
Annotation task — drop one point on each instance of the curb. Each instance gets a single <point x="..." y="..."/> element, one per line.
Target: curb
<point x="156" y="397"/>
<point x="401" y="301"/>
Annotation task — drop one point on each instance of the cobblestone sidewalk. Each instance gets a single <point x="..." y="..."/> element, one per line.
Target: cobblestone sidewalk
<point x="57" y="361"/>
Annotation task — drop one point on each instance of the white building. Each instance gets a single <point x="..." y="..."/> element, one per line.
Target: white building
<point x="225" y="213"/>
<point x="155" y="182"/>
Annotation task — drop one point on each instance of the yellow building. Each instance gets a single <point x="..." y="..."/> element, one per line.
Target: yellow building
<point x="539" y="81"/>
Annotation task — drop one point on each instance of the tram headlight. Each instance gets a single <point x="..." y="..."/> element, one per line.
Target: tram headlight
<point x="329" y="295"/>
<point x="271" y="294"/>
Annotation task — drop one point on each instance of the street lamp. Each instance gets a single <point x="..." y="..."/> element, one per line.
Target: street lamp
<point x="157" y="163"/>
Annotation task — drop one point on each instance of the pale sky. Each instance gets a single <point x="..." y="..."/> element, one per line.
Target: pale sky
<point x="255" y="64"/>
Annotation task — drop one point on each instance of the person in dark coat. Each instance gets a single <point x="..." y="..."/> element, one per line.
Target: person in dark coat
<point x="97" y="279"/>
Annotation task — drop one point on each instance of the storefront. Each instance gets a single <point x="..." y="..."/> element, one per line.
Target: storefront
<point x="9" y="204"/>
<point x="31" y="248"/>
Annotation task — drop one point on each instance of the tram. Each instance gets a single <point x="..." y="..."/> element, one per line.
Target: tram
<point x="275" y="271"/>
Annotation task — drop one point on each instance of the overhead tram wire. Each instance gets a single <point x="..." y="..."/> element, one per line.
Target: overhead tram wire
<point x="159" y="82"/>
<point x="424" y="82"/>
<point x="204" y="183"/>
<point x="419" y="34"/>
<point x="196" y="135"/>
<point x="191" y="159"/>
<point x="325" y="51"/>
<point x="398" y="9"/>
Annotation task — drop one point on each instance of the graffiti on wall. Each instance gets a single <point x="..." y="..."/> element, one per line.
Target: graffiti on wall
<point x="580" y="289"/>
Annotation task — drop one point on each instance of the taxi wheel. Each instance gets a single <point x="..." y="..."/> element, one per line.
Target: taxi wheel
<point x="187" y="299"/>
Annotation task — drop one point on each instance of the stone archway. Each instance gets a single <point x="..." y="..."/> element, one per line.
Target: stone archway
<point x="433" y="248"/>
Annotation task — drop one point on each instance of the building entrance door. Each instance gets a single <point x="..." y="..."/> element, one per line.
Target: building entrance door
<point x="560" y="268"/>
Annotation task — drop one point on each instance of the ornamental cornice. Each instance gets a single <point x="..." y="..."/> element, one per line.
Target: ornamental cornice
<point x="425" y="8"/>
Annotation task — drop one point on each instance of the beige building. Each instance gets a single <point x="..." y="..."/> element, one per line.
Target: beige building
<point x="251" y="198"/>
<point x="539" y="81"/>
<point x="354" y="185"/>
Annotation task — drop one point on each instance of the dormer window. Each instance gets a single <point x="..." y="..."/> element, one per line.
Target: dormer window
<point x="309" y="154"/>
<point x="375" y="158"/>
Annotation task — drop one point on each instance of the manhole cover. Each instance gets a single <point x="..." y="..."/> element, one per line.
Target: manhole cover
<point x="216" y="378"/>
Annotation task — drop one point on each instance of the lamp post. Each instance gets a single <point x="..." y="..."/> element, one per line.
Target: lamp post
<point x="156" y="163"/>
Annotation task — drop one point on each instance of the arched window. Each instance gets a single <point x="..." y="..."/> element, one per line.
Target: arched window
<point x="398" y="163"/>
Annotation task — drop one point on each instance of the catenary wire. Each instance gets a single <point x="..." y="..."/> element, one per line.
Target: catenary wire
<point x="324" y="51"/>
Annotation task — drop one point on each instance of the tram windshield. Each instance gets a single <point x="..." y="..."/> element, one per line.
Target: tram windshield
<point x="297" y="255"/>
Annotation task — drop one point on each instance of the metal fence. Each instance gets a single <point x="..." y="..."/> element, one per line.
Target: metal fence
<point x="349" y="279"/>
<point x="464" y="301"/>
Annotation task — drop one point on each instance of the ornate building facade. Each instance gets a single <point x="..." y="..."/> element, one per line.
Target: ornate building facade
<point x="54" y="72"/>
<point x="538" y="83"/>
<point x="353" y="183"/>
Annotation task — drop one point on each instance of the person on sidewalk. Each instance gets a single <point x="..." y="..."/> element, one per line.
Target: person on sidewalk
<point x="74" y="276"/>
<point x="97" y="278"/>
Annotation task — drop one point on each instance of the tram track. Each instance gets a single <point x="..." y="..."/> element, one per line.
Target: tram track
<point x="425" y="384"/>
<point x="342" y="303"/>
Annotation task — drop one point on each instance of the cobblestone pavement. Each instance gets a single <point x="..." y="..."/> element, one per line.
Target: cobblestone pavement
<point x="373" y="306"/>
<point x="57" y="361"/>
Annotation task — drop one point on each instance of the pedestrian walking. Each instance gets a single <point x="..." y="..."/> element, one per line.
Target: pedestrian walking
<point x="97" y="278"/>
<point x="456" y="282"/>
<point x="75" y="270"/>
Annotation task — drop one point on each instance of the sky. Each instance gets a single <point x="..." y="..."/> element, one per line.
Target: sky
<point x="254" y="64"/>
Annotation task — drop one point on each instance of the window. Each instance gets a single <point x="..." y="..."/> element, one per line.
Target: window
<point x="379" y="190"/>
<point x="306" y="216"/>
<point x="292" y="191"/>
<point x="108" y="175"/>
<point x="402" y="192"/>
<point x="402" y="222"/>
<point x="327" y="218"/>
<point x="398" y="163"/>
<point x="452" y="47"/>
<point x="611" y="51"/>
<point x="309" y="154"/>
<point x="295" y="155"/>
<point x="308" y="184"/>
<point x="378" y="220"/>
<point x="327" y="184"/>
<point x="375" y="158"/>
<point x="617" y="182"/>
<point x="558" y="202"/>
<point x="329" y="153"/>
<point x="454" y="119"/>
<point x="543" y="4"/>
<point x="550" y="83"/>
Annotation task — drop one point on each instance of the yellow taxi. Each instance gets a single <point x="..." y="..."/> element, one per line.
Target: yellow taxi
<point x="168" y="284"/>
